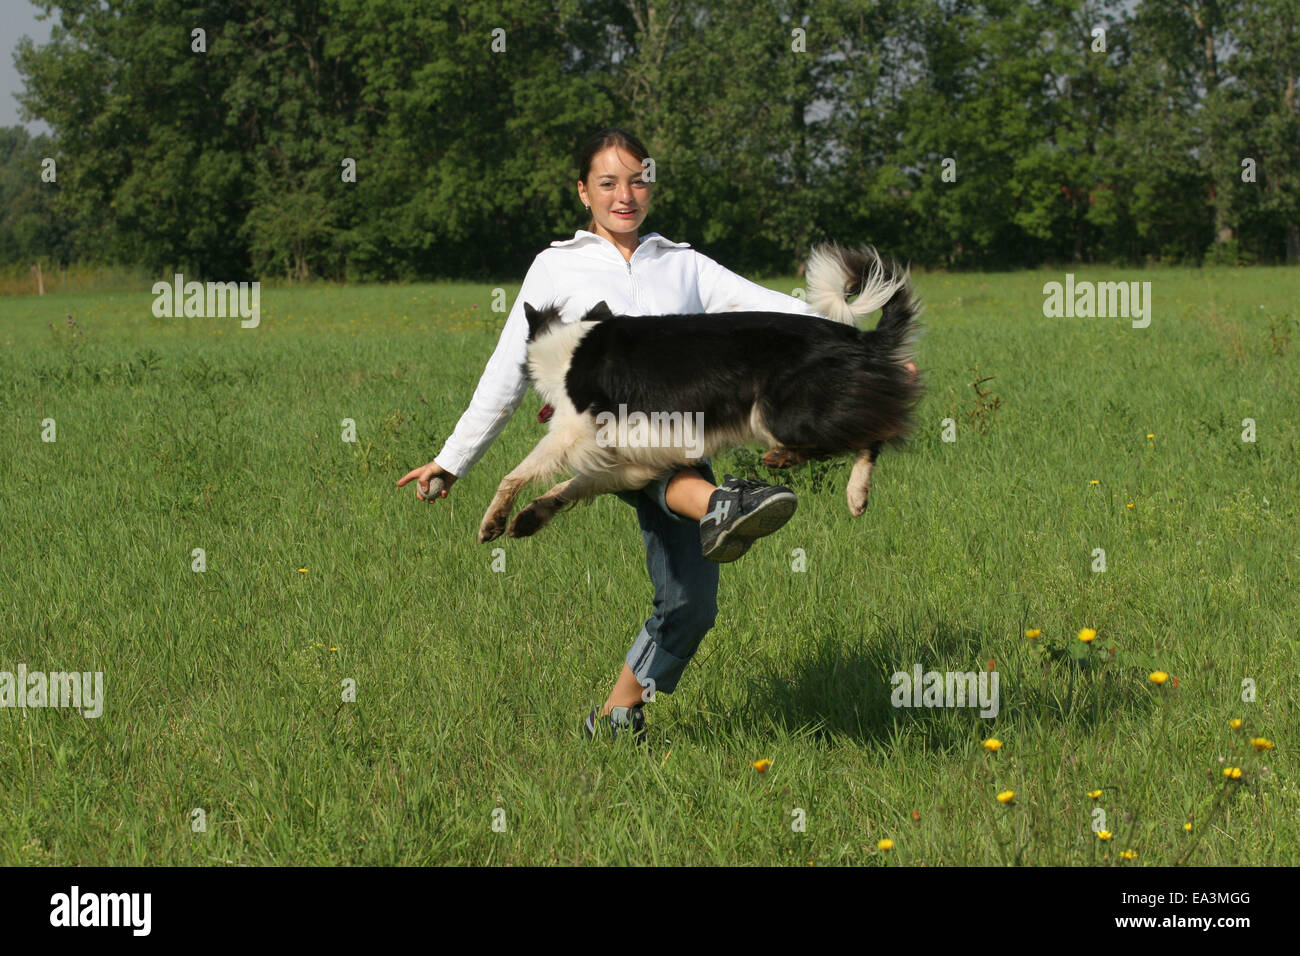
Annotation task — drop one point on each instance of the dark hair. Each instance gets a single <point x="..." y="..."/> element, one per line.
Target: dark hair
<point x="607" y="137"/>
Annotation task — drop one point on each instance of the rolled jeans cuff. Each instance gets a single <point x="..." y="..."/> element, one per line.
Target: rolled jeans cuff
<point x="654" y="667"/>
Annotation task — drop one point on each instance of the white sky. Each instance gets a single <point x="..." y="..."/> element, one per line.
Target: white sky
<point x="18" y="19"/>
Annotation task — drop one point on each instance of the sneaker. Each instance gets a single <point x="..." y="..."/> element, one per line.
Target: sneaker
<point x="740" y="512"/>
<point x="620" y="719"/>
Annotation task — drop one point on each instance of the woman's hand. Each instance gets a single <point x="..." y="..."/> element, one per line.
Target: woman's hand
<point x="434" y="474"/>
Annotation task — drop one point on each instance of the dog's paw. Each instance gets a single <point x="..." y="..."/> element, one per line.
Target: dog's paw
<point x="858" y="501"/>
<point x="782" y="458"/>
<point x="494" y="524"/>
<point x="528" y="522"/>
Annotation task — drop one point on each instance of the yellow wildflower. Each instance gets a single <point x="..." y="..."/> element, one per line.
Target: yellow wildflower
<point x="1087" y="634"/>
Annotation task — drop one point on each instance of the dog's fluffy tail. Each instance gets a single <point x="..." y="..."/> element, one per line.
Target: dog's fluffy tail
<point x="835" y="273"/>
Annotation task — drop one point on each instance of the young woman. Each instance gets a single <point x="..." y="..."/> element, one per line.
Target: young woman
<point x="688" y="523"/>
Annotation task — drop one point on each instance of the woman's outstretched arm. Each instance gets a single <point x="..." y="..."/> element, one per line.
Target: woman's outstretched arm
<point x="721" y="290"/>
<point x="500" y="389"/>
<point x="504" y="381"/>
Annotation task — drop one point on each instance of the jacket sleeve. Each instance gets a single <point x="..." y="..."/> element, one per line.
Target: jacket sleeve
<point x="721" y="290"/>
<point x="504" y="381"/>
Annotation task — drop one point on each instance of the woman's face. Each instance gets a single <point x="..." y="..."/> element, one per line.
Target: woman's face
<point x="614" y="185"/>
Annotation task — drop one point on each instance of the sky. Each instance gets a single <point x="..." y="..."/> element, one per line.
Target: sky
<point x="18" y="19"/>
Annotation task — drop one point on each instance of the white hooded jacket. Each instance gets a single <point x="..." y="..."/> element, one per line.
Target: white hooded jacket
<point x="661" y="278"/>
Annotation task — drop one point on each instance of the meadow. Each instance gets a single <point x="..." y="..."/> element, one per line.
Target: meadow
<point x="471" y="669"/>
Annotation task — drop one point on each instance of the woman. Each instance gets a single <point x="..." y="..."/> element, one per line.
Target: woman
<point x="688" y="523"/>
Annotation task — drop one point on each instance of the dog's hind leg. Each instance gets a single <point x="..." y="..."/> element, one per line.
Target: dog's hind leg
<point x="548" y="457"/>
<point x="782" y="457"/>
<point x="860" y="478"/>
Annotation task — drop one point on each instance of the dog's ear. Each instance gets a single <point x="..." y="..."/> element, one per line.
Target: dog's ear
<point x="598" y="312"/>
<point x="540" y="319"/>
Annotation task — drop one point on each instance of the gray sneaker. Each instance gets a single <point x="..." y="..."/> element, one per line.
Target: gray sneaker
<point x="740" y="512"/>
<point x="620" y="720"/>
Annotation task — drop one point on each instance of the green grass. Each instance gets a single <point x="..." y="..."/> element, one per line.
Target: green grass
<point x="223" y="687"/>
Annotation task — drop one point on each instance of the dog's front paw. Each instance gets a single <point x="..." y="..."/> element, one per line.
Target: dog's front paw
<point x="494" y="524"/>
<point x="527" y="522"/>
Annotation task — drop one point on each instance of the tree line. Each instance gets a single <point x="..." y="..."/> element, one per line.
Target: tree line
<point x="372" y="140"/>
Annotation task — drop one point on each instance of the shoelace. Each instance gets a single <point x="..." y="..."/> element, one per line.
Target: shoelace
<point x="742" y="484"/>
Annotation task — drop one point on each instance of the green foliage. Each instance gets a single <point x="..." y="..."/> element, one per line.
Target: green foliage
<point x="287" y="227"/>
<point x="226" y="162"/>
<point x="30" y="230"/>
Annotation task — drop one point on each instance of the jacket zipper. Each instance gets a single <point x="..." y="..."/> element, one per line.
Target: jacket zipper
<point x="630" y="277"/>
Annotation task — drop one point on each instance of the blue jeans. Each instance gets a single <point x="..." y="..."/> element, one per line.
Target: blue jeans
<point x="686" y="587"/>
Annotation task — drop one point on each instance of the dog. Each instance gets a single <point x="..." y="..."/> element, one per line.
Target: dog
<point x="806" y="387"/>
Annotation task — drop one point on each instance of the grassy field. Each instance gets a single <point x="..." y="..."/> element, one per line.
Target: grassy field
<point x="224" y="688"/>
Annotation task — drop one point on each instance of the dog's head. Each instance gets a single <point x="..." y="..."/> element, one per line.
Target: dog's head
<point x="598" y="312"/>
<point x="540" y="321"/>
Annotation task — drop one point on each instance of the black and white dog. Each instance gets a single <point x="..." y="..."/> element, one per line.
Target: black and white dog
<point x="805" y="386"/>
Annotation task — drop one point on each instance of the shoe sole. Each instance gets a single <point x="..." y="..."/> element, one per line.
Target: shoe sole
<point x="762" y="521"/>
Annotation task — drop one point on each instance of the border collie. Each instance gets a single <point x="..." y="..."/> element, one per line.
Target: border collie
<point x="805" y="386"/>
